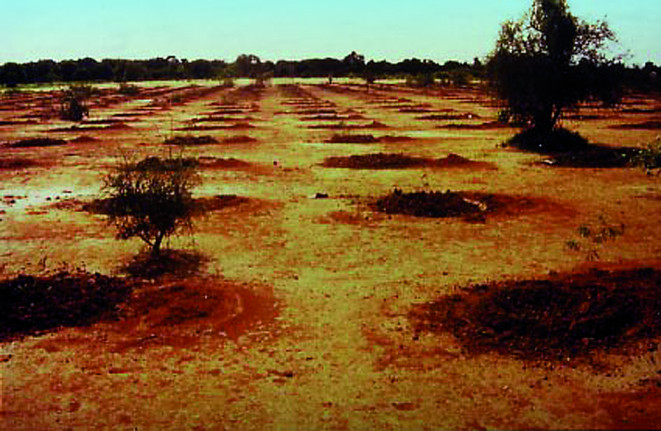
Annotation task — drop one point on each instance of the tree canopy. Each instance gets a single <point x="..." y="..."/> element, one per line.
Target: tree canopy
<point x="550" y="61"/>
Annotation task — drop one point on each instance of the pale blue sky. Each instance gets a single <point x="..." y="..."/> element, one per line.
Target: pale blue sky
<point x="291" y="29"/>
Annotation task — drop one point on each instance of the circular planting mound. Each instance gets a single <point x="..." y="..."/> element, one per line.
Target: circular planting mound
<point x="189" y="140"/>
<point x="32" y="304"/>
<point x="346" y="138"/>
<point x="376" y="161"/>
<point x="428" y="204"/>
<point x="553" y="319"/>
<point x="17" y="163"/>
<point x="37" y="142"/>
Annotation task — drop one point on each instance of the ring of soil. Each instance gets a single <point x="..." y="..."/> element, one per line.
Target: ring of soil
<point x="472" y="206"/>
<point x="565" y="316"/>
<point x="399" y="161"/>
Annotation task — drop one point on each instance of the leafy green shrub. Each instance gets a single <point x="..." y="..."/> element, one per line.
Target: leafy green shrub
<point x="128" y="89"/>
<point x="73" y="105"/>
<point x="649" y="158"/>
<point x="151" y="199"/>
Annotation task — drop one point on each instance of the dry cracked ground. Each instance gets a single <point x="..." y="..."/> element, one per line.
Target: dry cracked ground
<point x="302" y="312"/>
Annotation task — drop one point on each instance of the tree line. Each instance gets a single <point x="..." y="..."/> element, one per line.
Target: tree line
<point x="245" y="66"/>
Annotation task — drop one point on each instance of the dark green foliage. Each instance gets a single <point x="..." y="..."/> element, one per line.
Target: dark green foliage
<point x="550" y="61"/>
<point x="128" y="89"/>
<point x="151" y="199"/>
<point x="73" y="106"/>
<point x="649" y="158"/>
<point x="31" y="304"/>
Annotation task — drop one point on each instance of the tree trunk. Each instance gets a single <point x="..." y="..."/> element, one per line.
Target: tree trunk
<point x="156" y="246"/>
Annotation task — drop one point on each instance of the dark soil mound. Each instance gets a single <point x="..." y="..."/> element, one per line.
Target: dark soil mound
<point x="351" y="139"/>
<point x="557" y="141"/>
<point x="32" y="304"/>
<point x="219" y="163"/>
<point x="565" y="316"/>
<point x="242" y="139"/>
<point x="191" y="140"/>
<point x="202" y="205"/>
<point x="37" y="142"/>
<point x="83" y="139"/>
<point x="593" y="156"/>
<point x="427" y="204"/>
<point x="376" y="161"/>
<point x="16" y="163"/>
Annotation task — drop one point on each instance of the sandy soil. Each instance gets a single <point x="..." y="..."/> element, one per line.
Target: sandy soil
<point x="299" y="318"/>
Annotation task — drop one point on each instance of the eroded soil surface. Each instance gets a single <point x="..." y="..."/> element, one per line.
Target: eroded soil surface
<point x="308" y="308"/>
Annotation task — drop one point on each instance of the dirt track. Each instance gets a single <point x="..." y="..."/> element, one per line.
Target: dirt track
<point x="316" y="334"/>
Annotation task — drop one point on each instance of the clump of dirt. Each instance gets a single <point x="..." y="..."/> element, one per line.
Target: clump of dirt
<point x="398" y="161"/>
<point x="37" y="142"/>
<point x="240" y="139"/>
<point x="189" y="140"/>
<point x="593" y="156"/>
<point x="552" y="319"/>
<point x="488" y="125"/>
<point x="376" y="161"/>
<point x="220" y="163"/>
<point x="30" y="304"/>
<point x="448" y="116"/>
<point x="351" y="139"/>
<point x="17" y="163"/>
<point x="83" y="139"/>
<point x="428" y="204"/>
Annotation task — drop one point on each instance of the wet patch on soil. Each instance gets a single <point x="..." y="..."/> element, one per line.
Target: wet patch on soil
<point x="32" y="305"/>
<point x="564" y="316"/>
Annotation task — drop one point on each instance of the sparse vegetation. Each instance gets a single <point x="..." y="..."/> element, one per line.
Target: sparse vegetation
<point x="151" y="199"/>
<point x="128" y="89"/>
<point x="649" y="158"/>
<point x="592" y="237"/>
<point x="73" y="103"/>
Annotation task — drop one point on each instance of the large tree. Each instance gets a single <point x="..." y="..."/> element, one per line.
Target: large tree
<point x="550" y="61"/>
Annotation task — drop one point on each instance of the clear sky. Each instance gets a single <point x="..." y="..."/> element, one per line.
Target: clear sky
<point x="439" y="30"/>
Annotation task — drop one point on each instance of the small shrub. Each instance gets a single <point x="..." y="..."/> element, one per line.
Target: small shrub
<point x="73" y="105"/>
<point x="151" y="199"/>
<point x="648" y="158"/>
<point x="128" y="89"/>
<point x="590" y="238"/>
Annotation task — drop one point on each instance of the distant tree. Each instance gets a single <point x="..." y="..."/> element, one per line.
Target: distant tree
<point x="12" y="74"/>
<point x="151" y="199"/>
<point x="247" y="65"/>
<point x="544" y="64"/>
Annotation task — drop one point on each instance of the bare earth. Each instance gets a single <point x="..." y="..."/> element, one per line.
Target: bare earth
<point x="300" y="316"/>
